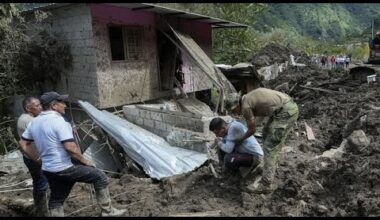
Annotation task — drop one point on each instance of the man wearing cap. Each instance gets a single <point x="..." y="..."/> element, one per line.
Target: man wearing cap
<point x="54" y="142"/>
<point x="234" y="156"/>
<point x="32" y="107"/>
<point x="282" y="113"/>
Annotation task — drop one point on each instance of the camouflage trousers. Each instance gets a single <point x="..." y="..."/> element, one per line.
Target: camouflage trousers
<point x="274" y="134"/>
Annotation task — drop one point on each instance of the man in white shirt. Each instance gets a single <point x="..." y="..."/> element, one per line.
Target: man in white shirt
<point x="53" y="138"/>
<point x="246" y="154"/>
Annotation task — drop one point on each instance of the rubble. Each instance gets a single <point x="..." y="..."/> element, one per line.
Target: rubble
<point x="337" y="174"/>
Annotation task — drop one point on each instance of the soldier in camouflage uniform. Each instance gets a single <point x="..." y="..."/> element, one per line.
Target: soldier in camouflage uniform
<point x="282" y="113"/>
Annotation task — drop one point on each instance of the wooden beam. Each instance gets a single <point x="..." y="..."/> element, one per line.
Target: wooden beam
<point x="198" y="18"/>
<point x="219" y="22"/>
<point x="216" y="26"/>
<point x="142" y="8"/>
<point x="175" y="13"/>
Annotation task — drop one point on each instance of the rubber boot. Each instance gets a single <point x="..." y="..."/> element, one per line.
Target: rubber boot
<point x="41" y="204"/>
<point x="57" y="212"/>
<point x="104" y="201"/>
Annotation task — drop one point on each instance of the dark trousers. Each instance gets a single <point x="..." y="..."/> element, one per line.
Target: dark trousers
<point x="62" y="182"/>
<point x="235" y="160"/>
<point x="40" y="182"/>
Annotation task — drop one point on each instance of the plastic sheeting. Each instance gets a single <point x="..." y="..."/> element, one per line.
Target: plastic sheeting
<point x="153" y="153"/>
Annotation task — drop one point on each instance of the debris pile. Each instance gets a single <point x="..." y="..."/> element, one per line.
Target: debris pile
<point x="337" y="174"/>
<point x="275" y="53"/>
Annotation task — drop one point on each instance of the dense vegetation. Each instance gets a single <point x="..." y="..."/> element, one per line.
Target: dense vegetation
<point x="314" y="28"/>
<point x="324" y="21"/>
<point x="26" y="63"/>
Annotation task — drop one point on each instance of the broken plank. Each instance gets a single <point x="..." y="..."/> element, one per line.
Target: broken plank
<point x="309" y="132"/>
<point x="294" y="86"/>
<point x="322" y="90"/>
<point x="198" y="214"/>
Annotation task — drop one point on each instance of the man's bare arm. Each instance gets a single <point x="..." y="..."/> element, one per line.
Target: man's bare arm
<point x="75" y="153"/>
<point x="29" y="150"/>
<point x="250" y="119"/>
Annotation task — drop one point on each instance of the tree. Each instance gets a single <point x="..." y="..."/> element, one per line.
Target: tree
<point x="25" y="61"/>
<point x="235" y="45"/>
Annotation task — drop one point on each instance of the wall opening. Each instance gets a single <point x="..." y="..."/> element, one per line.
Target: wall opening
<point x="126" y="42"/>
<point x="170" y="63"/>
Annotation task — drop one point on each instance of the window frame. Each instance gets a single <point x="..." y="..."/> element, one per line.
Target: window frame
<point x="124" y="31"/>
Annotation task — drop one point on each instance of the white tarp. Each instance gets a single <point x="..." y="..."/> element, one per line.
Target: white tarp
<point x="150" y="151"/>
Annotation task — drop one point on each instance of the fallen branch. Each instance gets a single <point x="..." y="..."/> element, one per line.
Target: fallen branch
<point x="198" y="214"/>
<point x="322" y="90"/>
<point x="293" y="87"/>
<point x="15" y="190"/>
<point x="4" y="122"/>
<point x="13" y="184"/>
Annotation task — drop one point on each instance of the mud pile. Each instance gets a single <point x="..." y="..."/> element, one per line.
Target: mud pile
<point x="275" y="53"/>
<point x="339" y="185"/>
<point x="335" y="175"/>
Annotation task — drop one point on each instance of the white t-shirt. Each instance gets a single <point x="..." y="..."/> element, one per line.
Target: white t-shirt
<point x="49" y="131"/>
<point x="248" y="146"/>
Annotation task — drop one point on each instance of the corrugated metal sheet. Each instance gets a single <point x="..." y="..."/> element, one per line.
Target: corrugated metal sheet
<point x="153" y="153"/>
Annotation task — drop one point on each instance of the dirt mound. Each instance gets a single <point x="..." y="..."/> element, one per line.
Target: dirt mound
<point x="345" y="117"/>
<point x="275" y="53"/>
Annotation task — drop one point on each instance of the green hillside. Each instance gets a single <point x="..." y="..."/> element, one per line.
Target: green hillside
<point x="321" y="21"/>
<point x="327" y="21"/>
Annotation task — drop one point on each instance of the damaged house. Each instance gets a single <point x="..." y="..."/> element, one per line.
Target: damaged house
<point x="127" y="53"/>
<point x="132" y="52"/>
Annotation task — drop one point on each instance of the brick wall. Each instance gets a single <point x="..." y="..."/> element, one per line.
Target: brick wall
<point x="73" y="25"/>
<point x="180" y="129"/>
<point x="162" y="122"/>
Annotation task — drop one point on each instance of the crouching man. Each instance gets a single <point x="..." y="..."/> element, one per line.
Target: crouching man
<point x="282" y="112"/>
<point x="248" y="153"/>
<point x="54" y="142"/>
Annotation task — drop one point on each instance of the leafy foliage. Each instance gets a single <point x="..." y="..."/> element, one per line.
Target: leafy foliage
<point x="45" y="61"/>
<point x="314" y="28"/>
<point x="12" y="42"/>
<point x="320" y="21"/>
<point x="229" y="45"/>
<point x="25" y="60"/>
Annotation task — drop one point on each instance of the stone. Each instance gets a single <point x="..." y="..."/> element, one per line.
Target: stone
<point x="335" y="153"/>
<point x="322" y="209"/>
<point x="357" y="141"/>
<point x="303" y="204"/>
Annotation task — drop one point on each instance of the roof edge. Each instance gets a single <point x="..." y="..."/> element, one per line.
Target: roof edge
<point x="223" y="23"/>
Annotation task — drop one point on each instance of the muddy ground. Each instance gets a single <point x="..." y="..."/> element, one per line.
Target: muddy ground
<point x="305" y="184"/>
